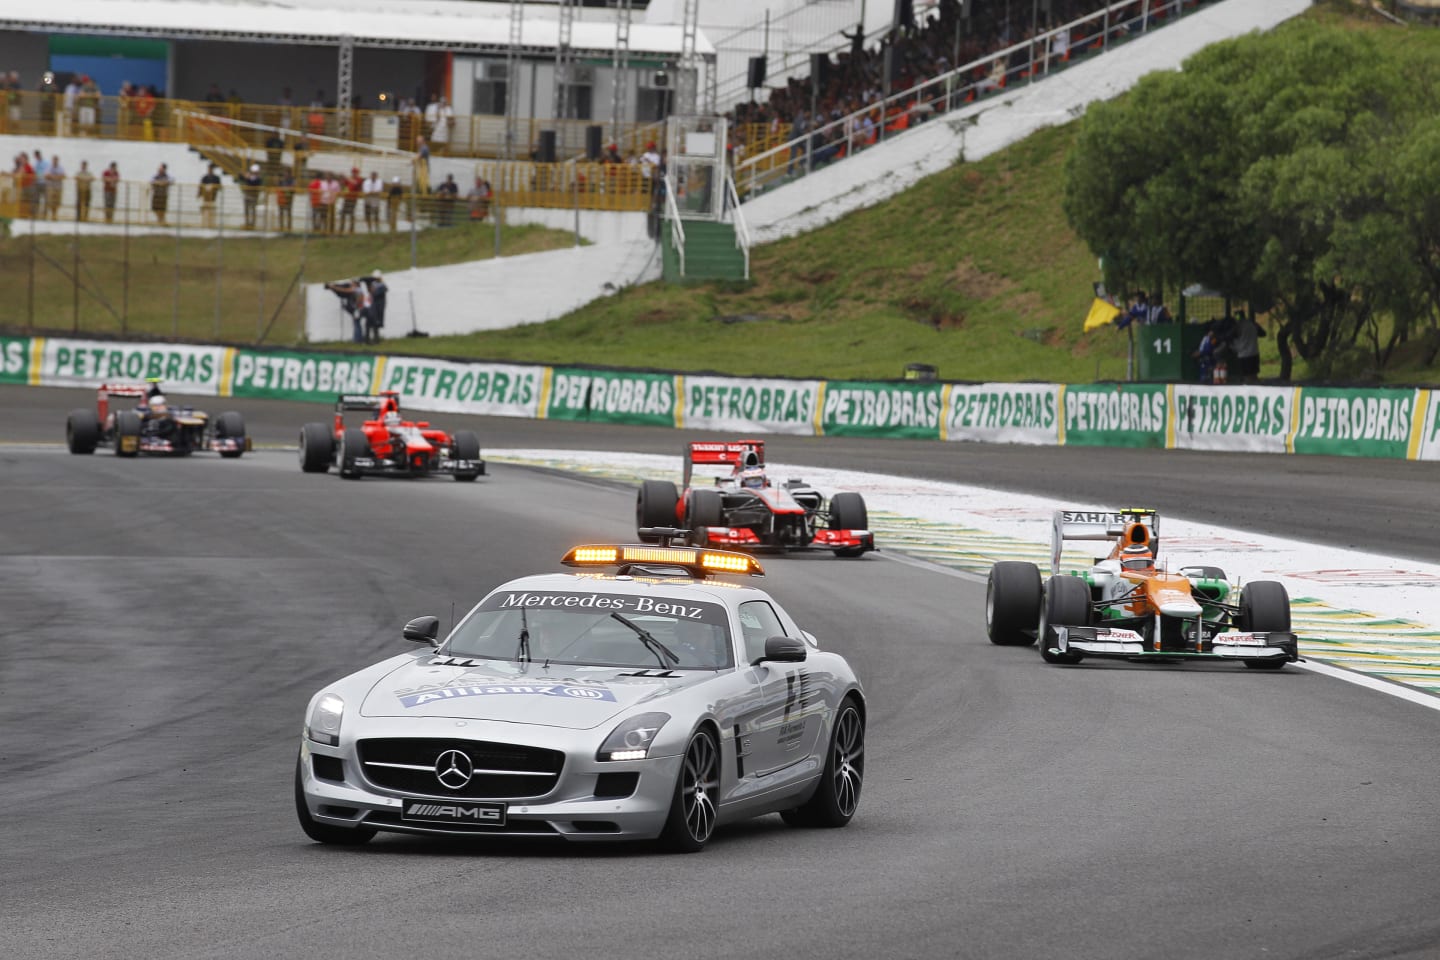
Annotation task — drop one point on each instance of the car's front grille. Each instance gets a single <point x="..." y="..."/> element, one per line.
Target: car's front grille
<point x="393" y="821"/>
<point x="494" y="770"/>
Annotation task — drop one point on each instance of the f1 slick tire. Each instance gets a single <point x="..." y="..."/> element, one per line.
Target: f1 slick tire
<point x="847" y="512"/>
<point x="1067" y="604"/>
<point x="231" y="425"/>
<point x="1264" y="608"/>
<point x="655" y="504"/>
<point x="127" y="433"/>
<point x="466" y="447"/>
<point x="353" y="445"/>
<point x="317" y="448"/>
<point x="837" y="796"/>
<point x="695" y="802"/>
<point x="82" y="431"/>
<point x="1013" y="596"/>
<point x="705" y="509"/>
<point x="324" y="832"/>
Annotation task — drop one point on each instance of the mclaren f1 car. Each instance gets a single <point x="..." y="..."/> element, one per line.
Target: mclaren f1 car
<point x="745" y="509"/>
<point x="1128" y="605"/>
<point x="649" y="700"/>
<point x="152" y="426"/>
<point x="384" y="444"/>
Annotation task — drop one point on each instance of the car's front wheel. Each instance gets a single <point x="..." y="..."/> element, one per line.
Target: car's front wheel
<point x="697" y="795"/>
<point x="838" y="795"/>
<point x="324" y="832"/>
<point x="317" y="447"/>
<point x="1067" y="604"/>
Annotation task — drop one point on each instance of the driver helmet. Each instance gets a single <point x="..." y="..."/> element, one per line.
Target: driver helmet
<point x="392" y="418"/>
<point x="752" y="477"/>
<point x="157" y="403"/>
<point x="1137" y="557"/>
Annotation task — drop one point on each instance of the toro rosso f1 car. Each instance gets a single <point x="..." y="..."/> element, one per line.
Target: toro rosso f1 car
<point x="746" y="509"/>
<point x="1127" y="606"/>
<point x="386" y="445"/>
<point x="153" y="425"/>
<point x="649" y="701"/>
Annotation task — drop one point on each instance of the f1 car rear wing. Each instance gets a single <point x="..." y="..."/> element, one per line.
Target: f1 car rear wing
<point x="362" y="401"/>
<point x="740" y="453"/>
<point x="1099" y="525"/>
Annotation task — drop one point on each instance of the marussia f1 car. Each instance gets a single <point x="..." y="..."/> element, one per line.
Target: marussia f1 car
<point x="745" y="509"/>
<point x="651" y="703"/>
<point x="385" y="445"/>
<point x="1127" y="607"/>
<point x="152" y="426"/>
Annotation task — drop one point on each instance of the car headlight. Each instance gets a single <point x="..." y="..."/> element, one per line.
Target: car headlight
<point x="324" y="724"/>
<point x="631" y="740"/>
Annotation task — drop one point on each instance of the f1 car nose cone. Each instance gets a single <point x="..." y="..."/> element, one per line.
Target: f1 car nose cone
<point x="1180" y="606"/>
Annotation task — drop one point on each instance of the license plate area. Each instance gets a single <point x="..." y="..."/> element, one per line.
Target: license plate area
<point x="454" y="812"/>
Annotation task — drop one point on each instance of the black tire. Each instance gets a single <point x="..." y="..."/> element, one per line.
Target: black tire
<point x="655" y="504"/>
<point x="317" y="447"/>
<point x="705" y="509"/>
<point x="127" y="425"/>
<point x="693" y="805"/>
<point x="1013" y="595"/>
<point x="82" y="431"/>
<point x="837" y="796"/>
<point x="232" y="426"/>
<point x="466" y="447"/>
<point x="847" y="512"/>
<point x="353" y="444"/>
<point x="1264" y="608"/>
<point x="1067" y="604"/>
<point x="324" y="832"/>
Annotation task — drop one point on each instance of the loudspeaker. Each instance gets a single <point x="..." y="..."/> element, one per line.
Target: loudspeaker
<point x="546" y="151"/>
<point x="756" y="73"/>
<point x="819" y="71"/>
<point x="593" y="146"/>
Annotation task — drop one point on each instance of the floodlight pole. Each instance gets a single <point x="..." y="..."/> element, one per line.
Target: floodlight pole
<point x="512" y="74"/>
<point x="344" y="86"/>
<point x="619" y="84"/>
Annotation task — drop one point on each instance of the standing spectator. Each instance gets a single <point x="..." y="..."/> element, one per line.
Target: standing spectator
<point x="285" y="200"/>
<point x="213" y="95"/>
<point x="274" y="149"/>
<point x="373" y="190"/>
<point x="447" y="194"/>
<point x="1245" y="345"/>
<point x="443" y="126"/>
<point x="110" y="187"/>
<point x="649" y="165"/>
<point x="84" y="180"/>
<point x="25" y="181"/>
<point x="432" y="115"/>
<point x="286" y="99"/>
<point x="302" y="155"/>
<point x="394" y="196"/>
<point x="160" y="193"/>
<point x="331" y="193"/>
<point x="209" y="194"/>
<point x="12" y="102"/>
<point x="1207" y="355"/>
<point x="375" y="320"/>
<point x="89" y="106"/>
<point x="317" y="203"/>
<point x="479" y="197"/>
<point x="422" y="165"/>
<point x="40" y="193"/>
<point x="252" y="189"/>
<point x="72" y="106"/>
<point x="54" y="187"/>
<point x="349" y="197"/>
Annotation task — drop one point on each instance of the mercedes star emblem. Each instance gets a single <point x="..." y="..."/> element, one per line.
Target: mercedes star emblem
<point x="453" y="769"/>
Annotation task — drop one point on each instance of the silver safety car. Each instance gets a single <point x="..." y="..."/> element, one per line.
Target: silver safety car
<point x="638" y="697"/>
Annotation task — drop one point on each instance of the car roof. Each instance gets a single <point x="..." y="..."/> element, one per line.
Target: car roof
<point x="727" y="592"/>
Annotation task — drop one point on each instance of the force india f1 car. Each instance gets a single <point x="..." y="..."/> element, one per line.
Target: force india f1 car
<point x="745" y="509"/>
<point x="152" y="426"/>
<point x="654" y="703"/>
<point x="1127" y="607"/>
<point x="385" y="445"/>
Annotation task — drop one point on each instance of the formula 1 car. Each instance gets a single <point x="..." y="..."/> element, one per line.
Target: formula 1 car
<point x="650" y="702"/>
<point x="385" y="445"/>
<point x="1127" y="607"/>
<point x="154" y="425"/>
<point x="745" y="509"/>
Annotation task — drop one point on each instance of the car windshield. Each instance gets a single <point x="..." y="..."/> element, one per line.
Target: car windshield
<point x="594" y="629"/>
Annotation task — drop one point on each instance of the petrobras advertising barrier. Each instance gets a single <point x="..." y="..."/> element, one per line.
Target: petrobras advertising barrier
<point x="1368" y="422"/>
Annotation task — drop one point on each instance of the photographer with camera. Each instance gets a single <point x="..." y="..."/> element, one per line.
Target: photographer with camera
<point x="355" y="299"/>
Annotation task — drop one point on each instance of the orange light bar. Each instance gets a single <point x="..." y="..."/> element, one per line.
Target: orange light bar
<point x="717" y="561"/>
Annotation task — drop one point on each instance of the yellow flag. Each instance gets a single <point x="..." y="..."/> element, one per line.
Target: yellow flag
<point x="1100" y="315"/>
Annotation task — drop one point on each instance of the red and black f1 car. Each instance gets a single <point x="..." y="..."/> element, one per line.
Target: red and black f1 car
<point x="385" y="445"/>
<point x="745" y="509"/>
<point x="153" y="425"/>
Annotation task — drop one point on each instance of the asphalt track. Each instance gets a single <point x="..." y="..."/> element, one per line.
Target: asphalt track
<point x="165" y="622"/>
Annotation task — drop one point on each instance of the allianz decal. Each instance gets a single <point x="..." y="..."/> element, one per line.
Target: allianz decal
<point x="435" y="695"/>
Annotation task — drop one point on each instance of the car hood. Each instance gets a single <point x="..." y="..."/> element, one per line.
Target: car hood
<point x="564" y="695"/>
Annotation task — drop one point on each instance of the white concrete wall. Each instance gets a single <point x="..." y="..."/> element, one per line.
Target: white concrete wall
<point x="984" y="128"/>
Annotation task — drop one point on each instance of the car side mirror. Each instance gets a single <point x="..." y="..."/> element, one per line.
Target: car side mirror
<point x="423" y="630"/>
<point x="783" y="650"/>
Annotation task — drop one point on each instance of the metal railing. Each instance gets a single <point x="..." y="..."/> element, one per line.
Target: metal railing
<point x="1022" y="62"/>
<point x="737" y="217"/>
<point x="677" y="232"/>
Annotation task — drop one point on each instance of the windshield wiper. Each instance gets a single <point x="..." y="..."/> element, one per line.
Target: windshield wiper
<point x="654" y="646"/>
<point x="522" y="652"/>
